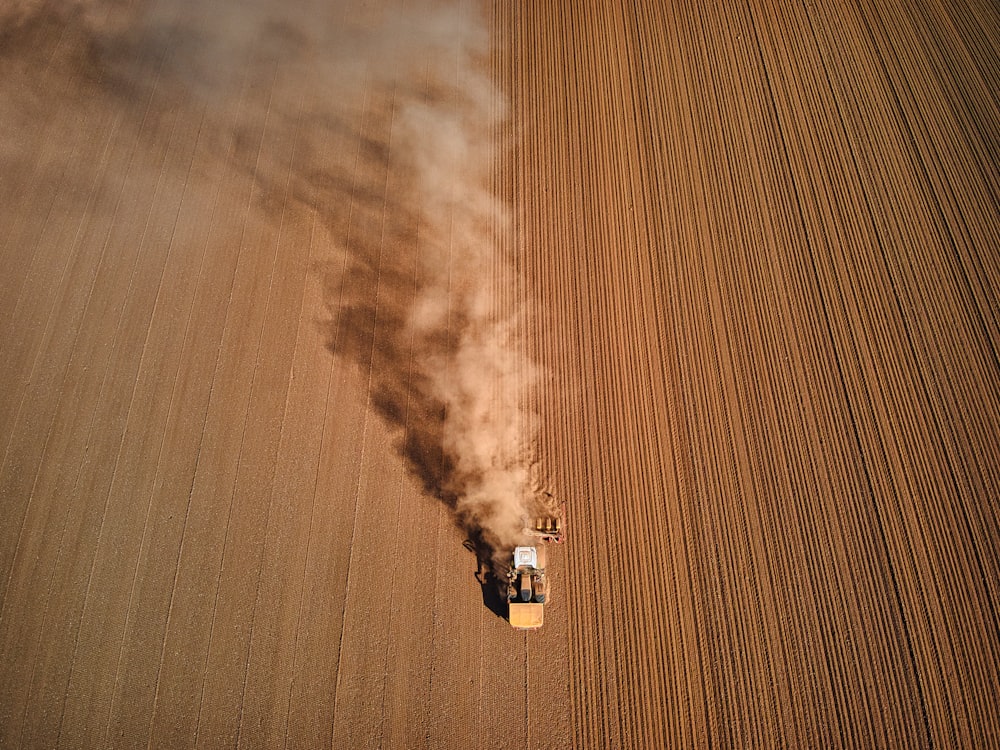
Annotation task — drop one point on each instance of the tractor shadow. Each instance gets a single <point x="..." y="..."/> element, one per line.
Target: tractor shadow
<point x="493" y="585"/>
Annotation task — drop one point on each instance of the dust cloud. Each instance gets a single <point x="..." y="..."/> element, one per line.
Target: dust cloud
<point x="447" y="368"/>
<point x="396" y="124"/>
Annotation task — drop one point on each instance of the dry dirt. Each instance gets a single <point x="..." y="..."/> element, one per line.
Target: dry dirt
<point x="746" y="256"/>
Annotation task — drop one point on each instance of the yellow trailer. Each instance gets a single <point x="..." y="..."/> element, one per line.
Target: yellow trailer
<point x="526" y="616"/>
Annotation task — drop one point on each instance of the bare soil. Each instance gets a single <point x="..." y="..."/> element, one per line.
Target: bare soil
<point x="755" y="254"/>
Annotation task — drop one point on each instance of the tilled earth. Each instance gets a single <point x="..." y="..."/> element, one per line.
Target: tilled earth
<point x="748" y="254"/>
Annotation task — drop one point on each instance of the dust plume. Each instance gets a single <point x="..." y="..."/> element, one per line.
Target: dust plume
<point x="396" y="136"/>
<point x="447" y="367"/>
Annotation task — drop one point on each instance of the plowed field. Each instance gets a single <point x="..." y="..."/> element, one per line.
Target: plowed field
<point x="729" y="271"/>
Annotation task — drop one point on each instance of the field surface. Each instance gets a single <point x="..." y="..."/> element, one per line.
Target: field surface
<point x="728" y="270"/>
